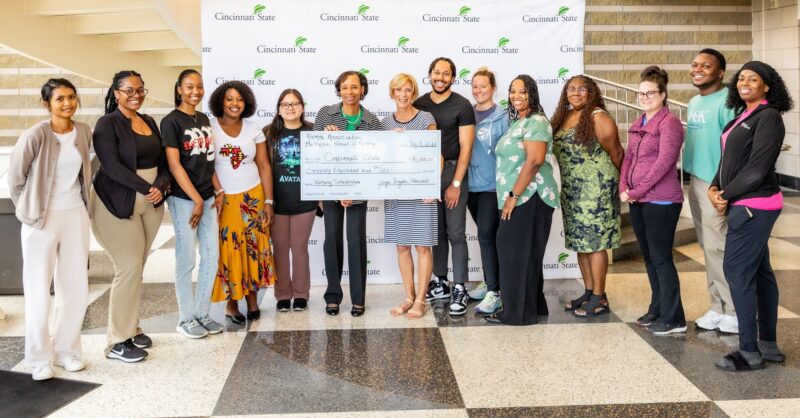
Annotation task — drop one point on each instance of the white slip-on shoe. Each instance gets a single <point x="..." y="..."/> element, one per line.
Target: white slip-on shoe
<point x="709" y="321"/>
<point x="70" y="363"/>
<point x="42" y="372"/>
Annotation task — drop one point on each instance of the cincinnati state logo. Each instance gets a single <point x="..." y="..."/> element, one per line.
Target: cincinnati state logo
<point x="259" y="78"/>
<point x="561" y="15"/>
<point x="571" y="48"/>
<point x="560" y="77"/>
<point x="330" y="81"/>
<point x="257" y="14"/>
<point x="362" y="15"/>
<point x="561" y="263"/>
<point x="462" y="15"/>
<point x="502" y="47"/>
<point x="401" y="47"/>
<point x="299" y="46"/>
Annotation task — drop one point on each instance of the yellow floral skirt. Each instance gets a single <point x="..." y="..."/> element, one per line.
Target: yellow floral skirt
<point x="245" y="255"/>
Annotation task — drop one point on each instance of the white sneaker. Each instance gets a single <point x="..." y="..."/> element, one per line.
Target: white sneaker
<point x="478" y="293"/>
<point x="491" y="303"/>
<point x="709" y="321"/>
<point x="71" y="363"/>
<point x="42" y="372"/>
<point x="729" y="324"/>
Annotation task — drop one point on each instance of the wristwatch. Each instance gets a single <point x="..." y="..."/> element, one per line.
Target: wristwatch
<point x="218" y="192"/>
<point x="456" y="184"/>
<point x="512" y="195"/>
<point x="269" y="202"/>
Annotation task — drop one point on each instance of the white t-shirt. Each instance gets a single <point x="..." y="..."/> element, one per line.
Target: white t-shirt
<point x="66" y="191"/>
<point x="234" y="162"/>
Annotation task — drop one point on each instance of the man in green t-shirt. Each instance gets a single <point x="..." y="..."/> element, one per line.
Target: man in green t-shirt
<point x="708" y="115"/>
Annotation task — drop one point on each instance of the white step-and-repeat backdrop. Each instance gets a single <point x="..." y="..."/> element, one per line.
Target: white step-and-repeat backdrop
<point x="272" y="45"/>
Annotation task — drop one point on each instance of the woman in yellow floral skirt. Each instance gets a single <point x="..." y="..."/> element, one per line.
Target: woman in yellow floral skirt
<point x="242" y="166"/>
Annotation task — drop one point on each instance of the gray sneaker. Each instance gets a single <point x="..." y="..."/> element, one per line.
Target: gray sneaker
<point x="191" y="329"/>
<point x="212" y="326"/>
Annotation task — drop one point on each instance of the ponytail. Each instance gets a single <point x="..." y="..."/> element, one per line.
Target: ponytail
<point x="185" y="73"/>
<point x="111" y="100"/>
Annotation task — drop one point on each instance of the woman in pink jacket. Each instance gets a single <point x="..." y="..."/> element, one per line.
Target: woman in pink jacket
<point x="649" y="183"/>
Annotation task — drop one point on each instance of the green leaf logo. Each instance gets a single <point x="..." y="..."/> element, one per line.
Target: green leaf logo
<point x="463" y="11"/>
<point x="504" y="103"/>
<point x="258" y="73"/>
<point x="300" y="40"/>
<point x="402" y="41"/>
<point x="502" y="42"/>
<point x="463" y="73"/>
<point x="562" y="10"/>
<point x="562" y="257"/>
<point x="562" y="72"/>
<point x="362" y="9"/>
<point x="363" y="71"/>
<point x="258" y="9"/>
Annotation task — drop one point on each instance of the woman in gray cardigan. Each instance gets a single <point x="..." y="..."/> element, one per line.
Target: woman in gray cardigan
<point x="48" y="176"/>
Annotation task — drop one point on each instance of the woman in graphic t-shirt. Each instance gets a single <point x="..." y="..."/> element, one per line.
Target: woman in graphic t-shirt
<point x="242" y="166"/>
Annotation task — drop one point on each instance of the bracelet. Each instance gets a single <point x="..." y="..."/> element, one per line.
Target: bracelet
<point x="218" y="192"/>
<point x="269" y="202"/>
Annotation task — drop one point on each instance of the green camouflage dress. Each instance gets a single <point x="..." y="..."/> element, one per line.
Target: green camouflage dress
<point x="589" y="187"/>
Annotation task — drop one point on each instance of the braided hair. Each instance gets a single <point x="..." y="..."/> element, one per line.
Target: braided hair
<point x="534" y="103"/>
<point x="111" y="100"/>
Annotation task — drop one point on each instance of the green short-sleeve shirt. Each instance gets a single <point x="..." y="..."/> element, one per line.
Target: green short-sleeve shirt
<point x="510" y="153"/>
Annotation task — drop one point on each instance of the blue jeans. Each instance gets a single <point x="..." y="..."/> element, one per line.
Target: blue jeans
<point x="197" y="305"/>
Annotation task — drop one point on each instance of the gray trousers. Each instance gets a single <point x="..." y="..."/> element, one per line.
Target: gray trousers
<point x="711" y="230"/>
<point x="452" y="229"/>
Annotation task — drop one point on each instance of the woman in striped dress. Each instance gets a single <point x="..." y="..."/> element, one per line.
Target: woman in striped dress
<point x="410" y="222"/>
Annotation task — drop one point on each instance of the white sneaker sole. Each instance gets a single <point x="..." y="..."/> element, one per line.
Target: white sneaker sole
<point x="677" y="330"/>
<point x="435" y="297"/>
<point x="728" y="331"/>
<point x="457" y="313"/>
<point x="115" y="356"/>
<point x="188" y="335"/>
<point x="43" y="376"/>
<point x="69" y="369"/>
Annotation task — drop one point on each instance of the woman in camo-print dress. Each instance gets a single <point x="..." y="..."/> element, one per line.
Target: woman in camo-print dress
<point x="589" y="155"/>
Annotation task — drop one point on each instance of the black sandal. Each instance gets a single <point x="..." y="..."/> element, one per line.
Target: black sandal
<point x="357" y="310"/>
<point x="332" y="310"/>
<point x="576" y="303"/>
<point x="594" y="307"/>
<point x="735" y="362"/>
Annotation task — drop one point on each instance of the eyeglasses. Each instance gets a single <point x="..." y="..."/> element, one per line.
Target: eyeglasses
<point x="580" y="90"/>
<point x="649" y="94"/>
<point x="131" y="92"/>
<point x="290" y="105"/>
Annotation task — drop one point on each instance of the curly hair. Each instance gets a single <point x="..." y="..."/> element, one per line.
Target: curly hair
<point x="777" y="96"/>
<point x="534" y="102"/>
<point x="216" y="103"/>
<point x="584" y="130"/>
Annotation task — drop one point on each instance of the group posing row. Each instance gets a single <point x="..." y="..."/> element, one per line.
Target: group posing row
<point x="234" y="188"/>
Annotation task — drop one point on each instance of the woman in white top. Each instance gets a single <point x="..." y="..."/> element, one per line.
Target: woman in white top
<point x="48" y="176"/>
<point x="242" y="166"/>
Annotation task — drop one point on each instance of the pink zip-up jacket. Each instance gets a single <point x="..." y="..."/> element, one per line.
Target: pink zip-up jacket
<point x="649" y="168"/>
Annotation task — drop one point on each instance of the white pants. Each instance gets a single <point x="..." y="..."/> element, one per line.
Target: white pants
<point x="61" y="247"/>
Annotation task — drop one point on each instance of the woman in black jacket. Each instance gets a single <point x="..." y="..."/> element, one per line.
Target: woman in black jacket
<point x="746" y="189"/>
<point x="127" y="206"/>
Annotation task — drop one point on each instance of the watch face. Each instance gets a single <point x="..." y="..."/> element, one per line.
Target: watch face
<point x="456" y="183"/>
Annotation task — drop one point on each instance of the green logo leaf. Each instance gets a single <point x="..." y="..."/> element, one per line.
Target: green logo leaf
<point x="258" y="9"/>
<point x="258" y="73"/>
<point x="463" y="11"/>
<point x="562" y="72"/>
<point x="362" y="9"/>
<point x="463" y="73"/>
<point x="402" y="41"/>
<point x="300" y="40"/>
<point x="562" y="257"/>
<point x="504" y="103"/>
<point x="502" y="42"/>
<point x="562" y="10"/>
<point x="363" y="71"/>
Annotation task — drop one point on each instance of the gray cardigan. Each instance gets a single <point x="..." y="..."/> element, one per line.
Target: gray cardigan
<point x="32" y="169"/>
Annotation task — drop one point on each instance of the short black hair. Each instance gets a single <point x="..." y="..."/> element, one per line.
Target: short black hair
<point x="445" y="59"/>
<point x="716" y="54"/>
<point x="362" y="79"/>
<point x="216" y="103"/>
<point x="54" y="83"/>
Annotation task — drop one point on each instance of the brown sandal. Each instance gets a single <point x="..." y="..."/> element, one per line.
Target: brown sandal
<point x="417" y="313"/>
<point x="403" y="308"/>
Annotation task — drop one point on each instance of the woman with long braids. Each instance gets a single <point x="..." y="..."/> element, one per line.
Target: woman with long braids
<point x="589" y="155"/>
<point x="193" y="204"/>
<point x="48" y="177"/>
<point x="127" y="202"/>
<point x="527" y="194"/>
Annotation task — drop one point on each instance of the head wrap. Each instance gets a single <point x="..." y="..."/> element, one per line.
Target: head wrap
<point x="760" y="68"/>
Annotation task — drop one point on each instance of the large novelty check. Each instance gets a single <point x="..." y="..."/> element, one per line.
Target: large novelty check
<point x="363" y="165"/>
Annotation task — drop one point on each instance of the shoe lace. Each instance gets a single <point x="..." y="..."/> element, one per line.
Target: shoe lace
<point x="489" y="299"/>
<point x="458" y="294"/>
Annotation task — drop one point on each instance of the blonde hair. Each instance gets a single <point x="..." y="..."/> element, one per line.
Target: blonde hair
<point x="484" y="71"/>
<point x="401" y="79"/>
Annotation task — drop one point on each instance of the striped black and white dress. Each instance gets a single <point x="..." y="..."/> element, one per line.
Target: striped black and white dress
<point x="410" y="222"/>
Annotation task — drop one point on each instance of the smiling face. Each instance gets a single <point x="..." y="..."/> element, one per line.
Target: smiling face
<point x="403" y="96"/>
<point x="518" y="97"/>
<point x="191" y="89"/>
<point x="650" y="98"/>
<point x="441" y="77"/>
<point x="705" y="71"/>
<point x="482" y="90"/>
<point x="130" y="93"/>
<point x="577" y="94"/>
<point x="751" y="87"/>
<point x="351" y="90"/>
<point x="291" y="108"/>
<point x="232" y="104"/>
<point x="63" y="102"/>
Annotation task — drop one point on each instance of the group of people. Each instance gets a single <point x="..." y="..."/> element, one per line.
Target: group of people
<point x="233" y="188"/>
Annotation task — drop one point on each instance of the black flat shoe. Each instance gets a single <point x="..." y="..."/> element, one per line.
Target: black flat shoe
<point x="254" y="315"/>
<point x="357" y="310"/>
<point x="236" y="318"/>
<point x="332" y="310"/>
<point x="493" y="318"/>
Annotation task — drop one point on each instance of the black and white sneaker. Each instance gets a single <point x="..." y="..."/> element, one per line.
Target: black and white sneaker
<point x="660" y="328"/>
<point x="299" y="304"/>
<point x="284" y="305"/>
<point x="142" y="341"/>
<point x="438" y="289"/>
<point x="127" y="352"/>
<point x="458" y="301"/>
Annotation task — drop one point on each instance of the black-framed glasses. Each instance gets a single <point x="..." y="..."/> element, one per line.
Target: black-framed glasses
<point x="131" y="92"/>
<point x="581" y="90"/>
<point x="290" y="105"/>
<point x="649" y="94"/>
